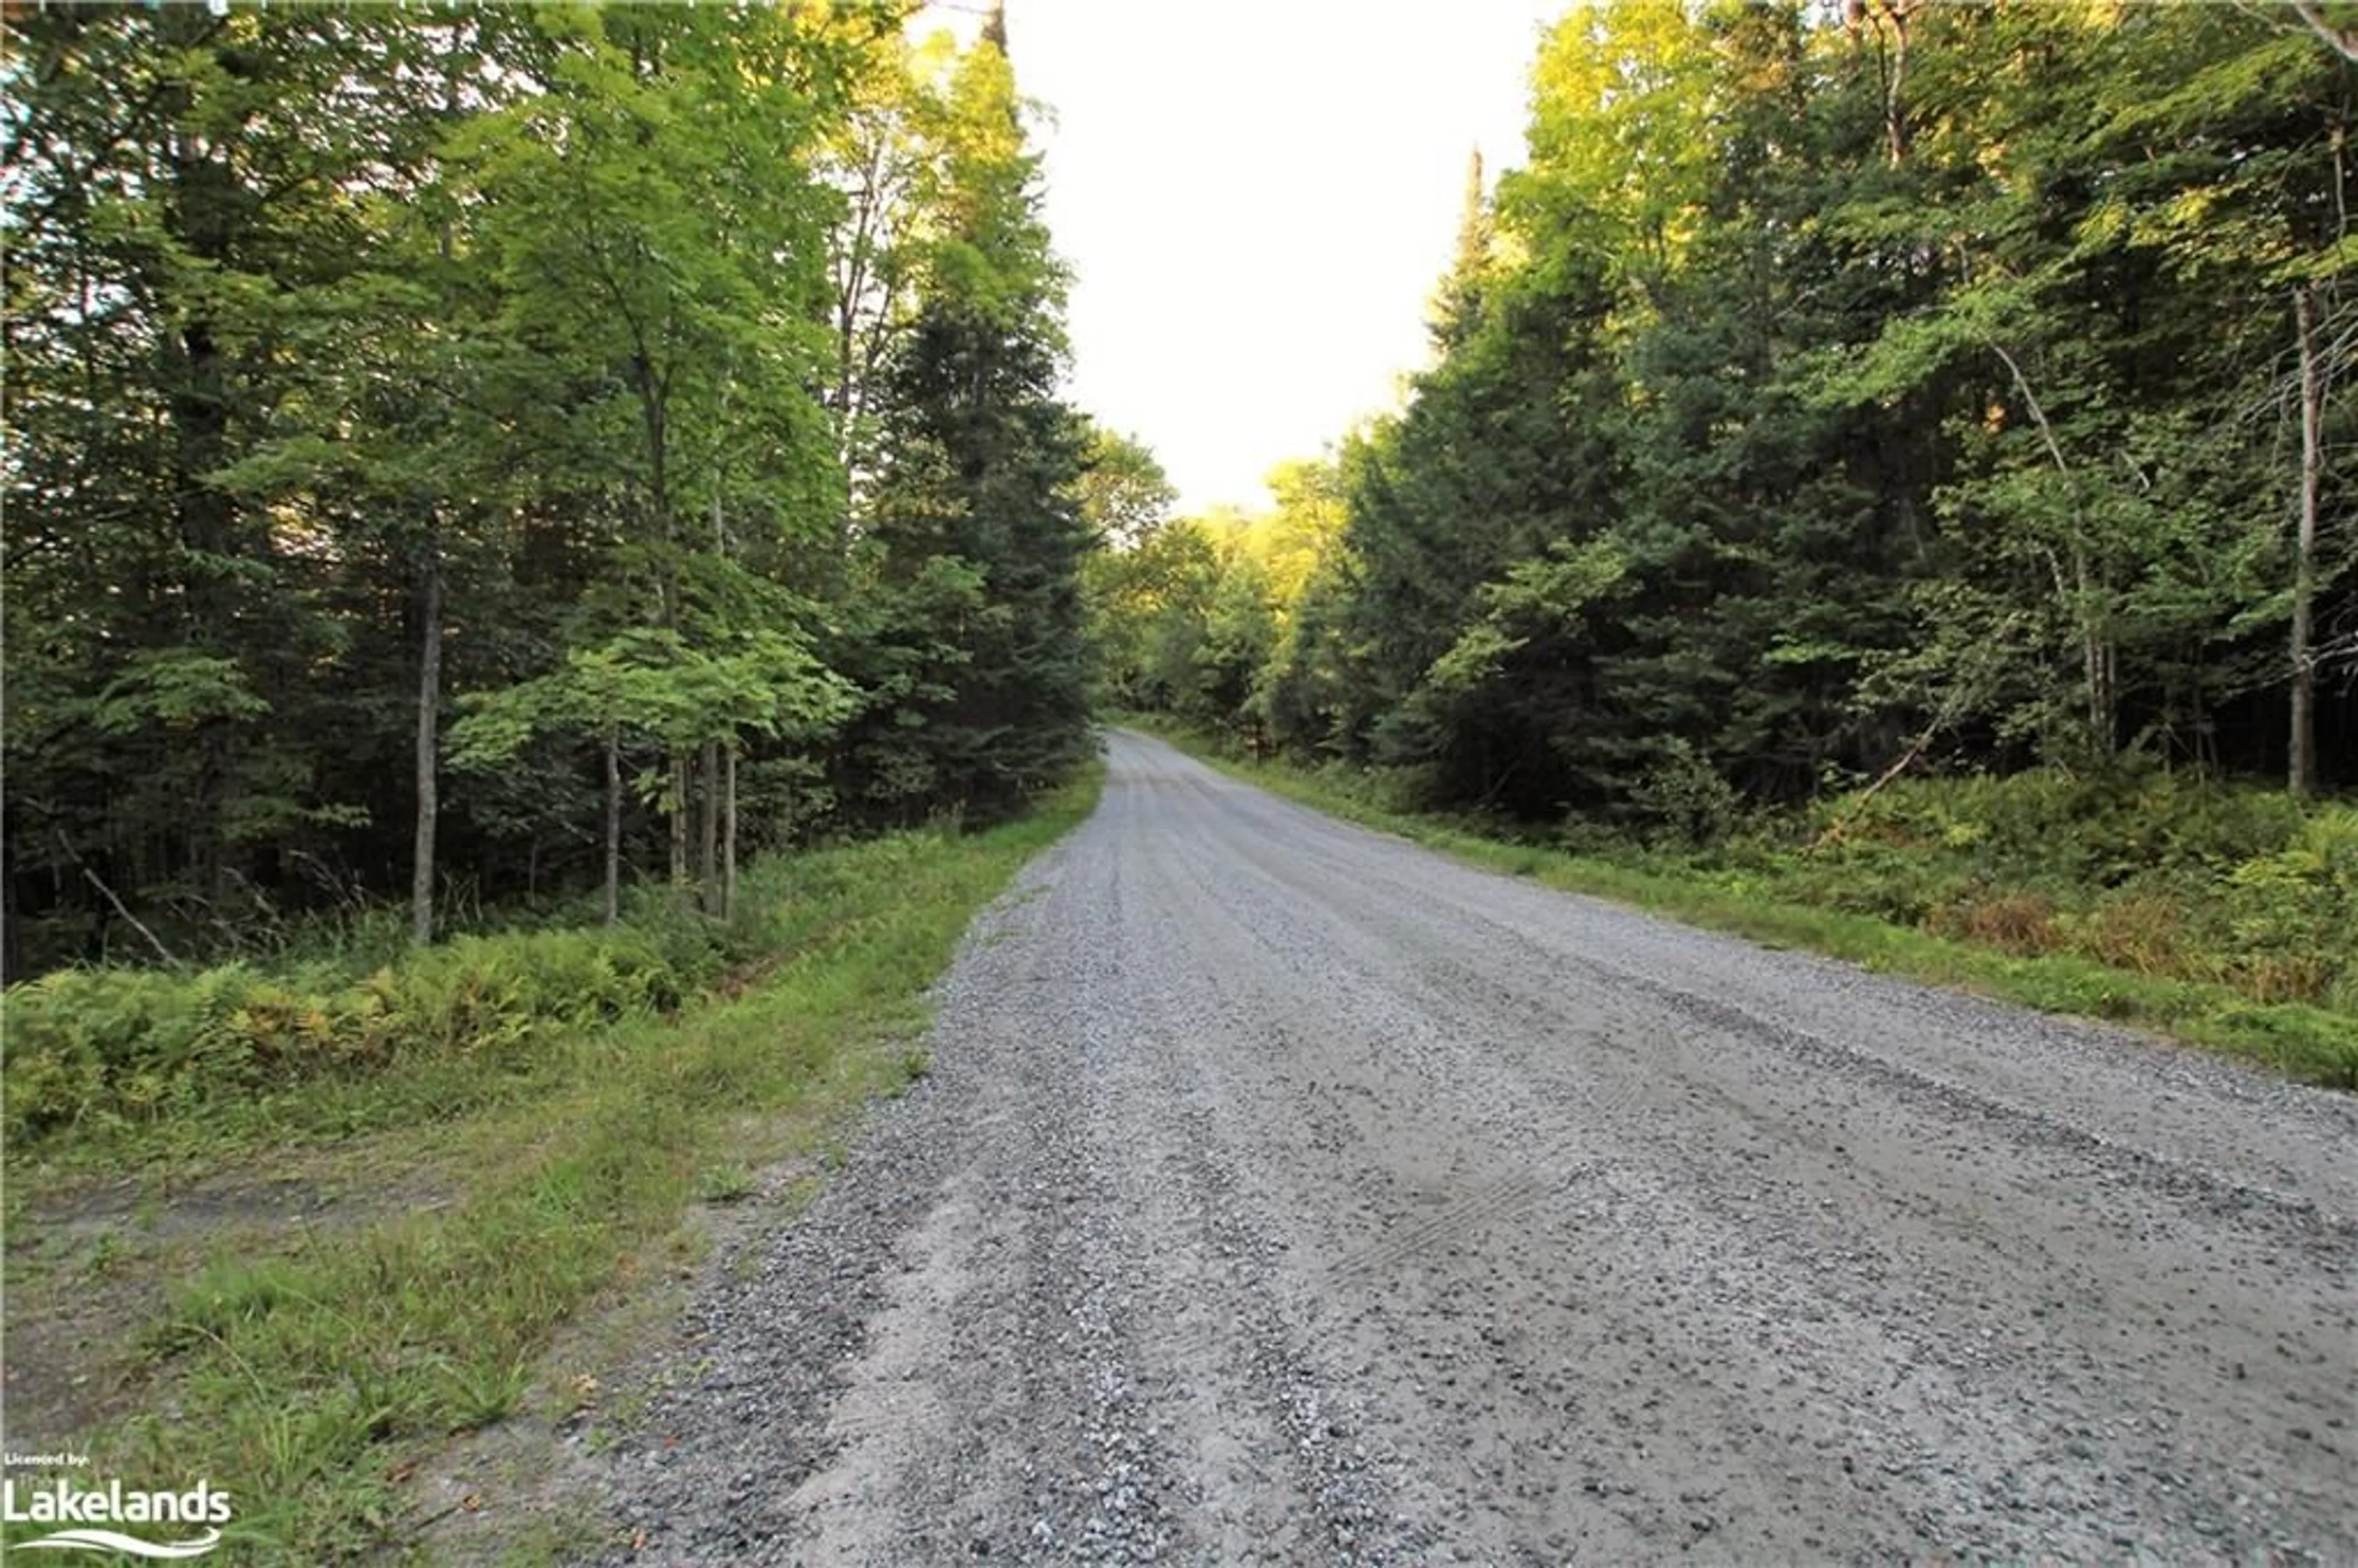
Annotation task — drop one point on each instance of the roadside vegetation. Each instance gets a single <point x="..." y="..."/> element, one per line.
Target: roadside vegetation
<point x="520" y="1123"/>
<point x="2224" y="916"/>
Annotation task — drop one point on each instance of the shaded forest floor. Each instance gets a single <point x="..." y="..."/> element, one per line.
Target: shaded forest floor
<point x="340" y="1299"/>
<point x="2220" y="917"/>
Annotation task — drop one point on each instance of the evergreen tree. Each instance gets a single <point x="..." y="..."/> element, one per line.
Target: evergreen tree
<point x="976" y="510"/>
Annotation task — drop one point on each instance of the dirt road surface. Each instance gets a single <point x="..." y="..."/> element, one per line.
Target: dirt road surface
<point x="1284" y="1192"/>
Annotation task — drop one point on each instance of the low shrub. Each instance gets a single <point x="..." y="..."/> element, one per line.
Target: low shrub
<point x="2144" y="932"/>
<point x="2158" y="874"/>
<point x="104" y="1047"/>
<point x="134" y="1045"/>
<point x="2022" y="923"/>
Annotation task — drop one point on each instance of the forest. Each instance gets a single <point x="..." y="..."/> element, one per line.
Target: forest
<point x="468" y="463"/>
<point x="1837" y="402"/>
<point x="1821" y="385"/>
<point x="461" y="458"/>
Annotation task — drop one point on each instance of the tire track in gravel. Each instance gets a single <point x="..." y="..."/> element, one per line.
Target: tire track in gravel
<point x="1284" y="1192"/>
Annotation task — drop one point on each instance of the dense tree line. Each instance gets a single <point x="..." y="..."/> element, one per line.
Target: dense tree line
<point x="511" y="449"/>
<point x="1833" y="391"/>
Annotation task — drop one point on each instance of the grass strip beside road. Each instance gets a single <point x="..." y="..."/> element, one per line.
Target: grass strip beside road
<point x="306" y="1370"/>
<point x="2306" y="1042"/>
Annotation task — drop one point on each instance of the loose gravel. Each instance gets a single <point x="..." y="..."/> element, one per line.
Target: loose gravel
<point x="1284" y="1193"/>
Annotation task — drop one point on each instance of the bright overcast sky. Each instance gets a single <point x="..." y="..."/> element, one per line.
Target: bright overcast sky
<point x="1257" y="198"/>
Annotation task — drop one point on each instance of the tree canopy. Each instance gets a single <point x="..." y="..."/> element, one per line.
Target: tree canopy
<point x="1827" y="390"/>
<point x="461" y="448"/>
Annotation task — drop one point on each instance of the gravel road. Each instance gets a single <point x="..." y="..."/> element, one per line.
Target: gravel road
<point x="1285" y="1192"/>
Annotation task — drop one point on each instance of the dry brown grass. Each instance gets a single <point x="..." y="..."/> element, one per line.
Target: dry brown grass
<point x="2022" y="923"/>
<point x="2145" y="933"/>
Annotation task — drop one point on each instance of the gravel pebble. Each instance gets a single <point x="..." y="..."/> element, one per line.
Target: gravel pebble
<point x="1285" y="1192"/>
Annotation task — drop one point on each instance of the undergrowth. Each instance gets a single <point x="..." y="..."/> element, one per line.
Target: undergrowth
<point x="2227" y="885"/>
<point x="100" y="1056"/>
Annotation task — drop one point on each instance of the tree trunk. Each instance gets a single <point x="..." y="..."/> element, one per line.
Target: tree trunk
<point x="2099" y="661"/>
<point x="2303" y="769"/>
<point x="729" y="834"/>
<point x="708" y="821"/>
<point x="430" y="708"/>
<point x="679" y="782"/>
<point x="710" y="893"/>
<point x="1891" y="66"/>
<point x="2099" y="656"/>
<point x="430" y="660"/>
<point x="614" y="826"/>
<point x="199" y="206"/>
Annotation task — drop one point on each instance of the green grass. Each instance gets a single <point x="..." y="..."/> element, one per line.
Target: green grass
<point x="305" y="1373"/>
<point x="2316" y="1042"/>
